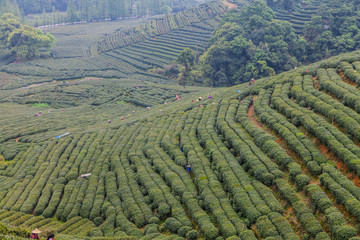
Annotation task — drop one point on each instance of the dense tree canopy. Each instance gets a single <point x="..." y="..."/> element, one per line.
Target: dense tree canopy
<point x="23" y="41"/>
<point x="336" y="30"/>
<point x="89" y="10"/>
<point x="250" y="44"/>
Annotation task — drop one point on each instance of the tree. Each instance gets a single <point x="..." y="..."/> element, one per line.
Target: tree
<point x="8" y="23"/>
<point x="71" y="12"/>
<point x="23" y="41"/>
<point x="186" y="58"/>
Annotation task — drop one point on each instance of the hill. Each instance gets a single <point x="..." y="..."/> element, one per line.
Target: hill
<point x="276" y="160"/>
<point x="126" y="53"/>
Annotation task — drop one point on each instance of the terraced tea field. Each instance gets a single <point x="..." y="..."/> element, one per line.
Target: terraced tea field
<point x="93" y="146"/>
<point x="75" y="40"/>
<point x="129" y="52"/>
<point x="299" y="18"/>
<point x="279" y="160"/>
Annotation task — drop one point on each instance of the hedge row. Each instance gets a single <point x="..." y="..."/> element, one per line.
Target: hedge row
<point x="263" y="140"/>
<point x="331" y="112"/>
<point x="296" y="140"/>
<point x="331" y="82"/>
<point x="235" y="179"/>
<point x="338" y="225"/>
<point x="211" y="190"/>
<point x="254" y="159"/>
<point x="157" y="27"/>
<point x="306" y="218"/>
<point x="350" y="72"/>
<point x="318" y="126"/>
<point x="170" y="143"/>
<point x="342" y="195"/>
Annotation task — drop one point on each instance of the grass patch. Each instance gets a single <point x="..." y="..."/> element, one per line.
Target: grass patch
<point x="43" y="105"/>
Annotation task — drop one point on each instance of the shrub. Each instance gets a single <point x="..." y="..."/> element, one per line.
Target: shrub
<point x="322" y="236"/>
<point x="192" y="234"/>
<point x="21" y="232"/>
<point x="314" y="168"/>
<point x="265" y="227"/>
<point x="233" y="238"/>
<point x="301" y="181"/>
<point x="184" y="230"/>
<point x="172" y="224"/>
<point x="164" y="209"/>
<point x="247" y="234"/>
<point x="151" y="228"/>
<point x="154" y="220"/>
<point x="98" y="221"/>
<point x="96" y="232"/>
<point x="3" y="229"/>
<point x="345" y="232"/>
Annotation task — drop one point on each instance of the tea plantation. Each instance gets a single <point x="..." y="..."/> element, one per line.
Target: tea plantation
<point x="128" y="52"/>
<point x="93" y="146"/>
<point x="277" y="160"/>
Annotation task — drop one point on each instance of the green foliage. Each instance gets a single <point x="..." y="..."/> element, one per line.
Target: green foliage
<point x="23" y="41"/>
<point x="173" y="224"/>
<point x="250" y="45"/>
<point x="301" y="181"/>
<point x="186" y="58"/>
<point x="192" y="234"/>
<point x="71" y="12"/>
<point x="334" y="31"/>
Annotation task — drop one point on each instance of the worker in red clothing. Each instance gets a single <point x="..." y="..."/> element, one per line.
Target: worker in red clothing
<point x="35" y="234"/>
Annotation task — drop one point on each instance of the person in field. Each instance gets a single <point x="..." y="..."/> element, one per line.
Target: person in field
<point x="51" y="237"/>
<point x="35" y="234"/>
<point x="188" y="168"/>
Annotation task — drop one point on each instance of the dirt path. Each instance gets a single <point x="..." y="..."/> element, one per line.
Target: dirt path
<point x="330" y="155"/>
<point x="90" y="78"/>
<point x="289" y="214"/>
<point x="229" y="4"/>
<point x="314" y="180"/>
<point x="37" y="85"/>
<point x="345" y="79"/>
<point x="252" y="117"/>
<point x="43" y="83"/>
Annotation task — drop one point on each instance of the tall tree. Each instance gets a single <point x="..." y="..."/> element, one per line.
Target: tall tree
<point x="23" y="41"/>
<point x="71" y="12"/>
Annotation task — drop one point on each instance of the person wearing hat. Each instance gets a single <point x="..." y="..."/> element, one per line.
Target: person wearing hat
<point x="35" y="234"/>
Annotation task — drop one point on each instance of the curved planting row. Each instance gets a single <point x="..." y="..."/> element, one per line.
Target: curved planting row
<point x="279" y="160"/>
<point x="158" y="27"/>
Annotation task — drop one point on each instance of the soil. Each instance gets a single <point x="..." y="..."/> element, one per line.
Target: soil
<point x="90" y="78"/>
<point x="229" y="4"/>
<point x="345" y="79"/>
<point x="252" y="116"/>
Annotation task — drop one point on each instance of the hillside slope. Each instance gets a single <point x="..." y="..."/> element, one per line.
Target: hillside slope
<point x="129" y="52"/>
<point x="275" y="160"/>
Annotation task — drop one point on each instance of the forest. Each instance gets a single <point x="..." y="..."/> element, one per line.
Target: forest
<point x="93" y="10"/>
